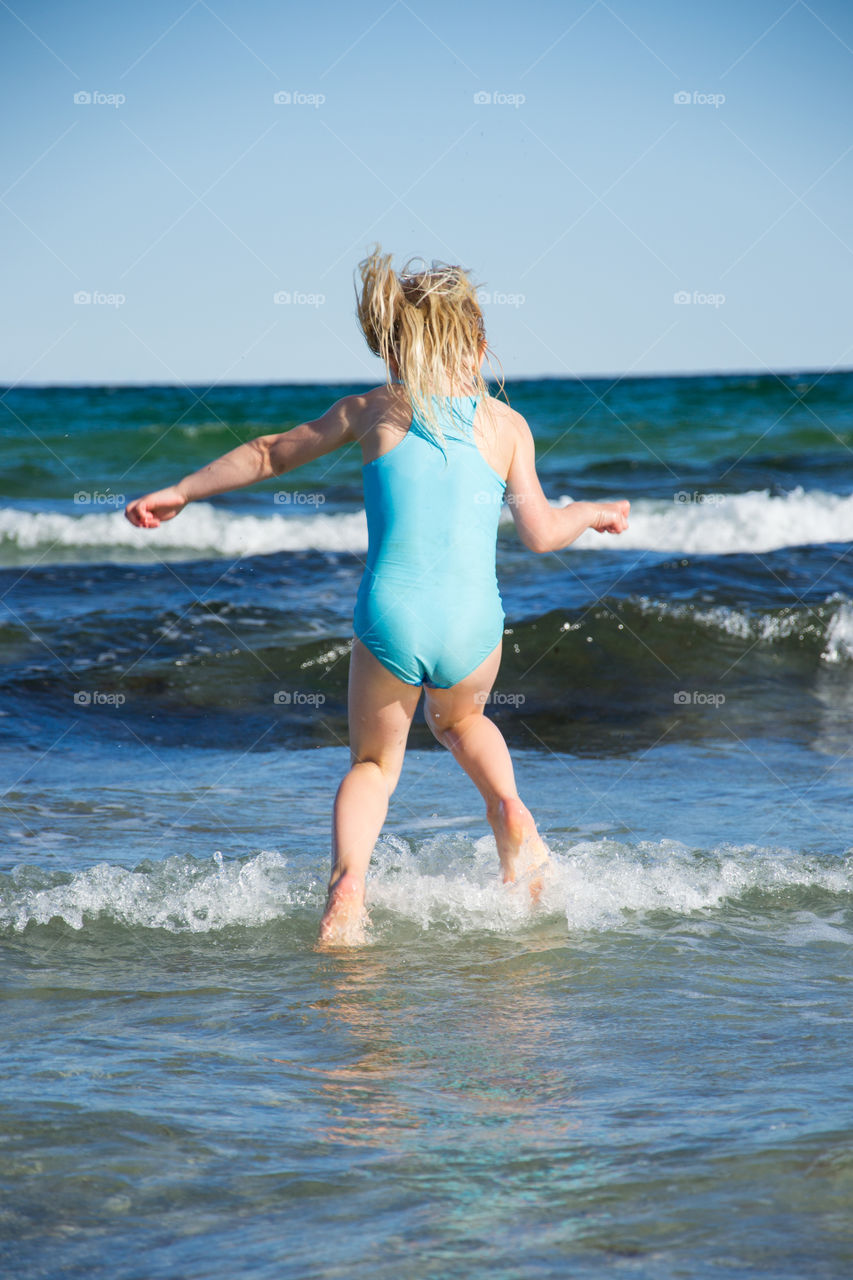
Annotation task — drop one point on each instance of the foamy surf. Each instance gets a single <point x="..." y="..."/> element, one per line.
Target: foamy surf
<point x="717" y="523"/>
<point x="770" y="627"/>
<point x="446" y="884"/>
<point x="839" y="635"/>
<point x="181" y="894"/>
<point x="200" y="531"/>
<point x="699" y="523"/>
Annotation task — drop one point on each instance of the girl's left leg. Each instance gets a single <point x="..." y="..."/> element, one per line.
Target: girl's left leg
<point x="381" y="708"/>
<point x="456" y="718"/>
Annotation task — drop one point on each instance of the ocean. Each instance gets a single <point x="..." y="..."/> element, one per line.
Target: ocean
<point x="647" y="1074"/>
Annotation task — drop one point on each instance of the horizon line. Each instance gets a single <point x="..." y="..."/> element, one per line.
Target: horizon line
<point x="796" y="370"/>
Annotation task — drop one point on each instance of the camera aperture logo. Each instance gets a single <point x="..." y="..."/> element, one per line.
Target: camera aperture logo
<point x="696" y="98"/>
<point x="95" y="98"/>
<point x="95" y="698"/>
<point x="698" y="698"/>
<point x="296" y="98"/>
<point x="95" y="298"/>
<point x="298" y="698"/>
<point x="483" y="98"/>
<point x="494" y="299"/>
<point x="97" y="498"/>
<point x="683" y="298"/>
<point x="683" y="496"/>
<point x="293" y="298"/>
<point x="497" y="699"/>
<point x="286" y="497"/>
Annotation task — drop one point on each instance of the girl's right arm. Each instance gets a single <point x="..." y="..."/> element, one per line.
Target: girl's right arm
<point x="540" y="526"/>
<point x="258" y="459"/>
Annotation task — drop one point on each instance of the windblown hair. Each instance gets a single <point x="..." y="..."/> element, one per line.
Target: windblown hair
<point x="429" y="322"/>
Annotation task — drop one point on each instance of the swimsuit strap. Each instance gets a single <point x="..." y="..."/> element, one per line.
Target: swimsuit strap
<point x="456" y="417"/>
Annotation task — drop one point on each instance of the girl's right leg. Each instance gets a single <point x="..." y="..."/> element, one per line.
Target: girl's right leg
<point x="456" y="718"/>
<point x="380" y="708"/>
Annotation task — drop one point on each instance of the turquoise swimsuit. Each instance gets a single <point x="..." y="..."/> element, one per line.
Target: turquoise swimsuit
<point x="428" y="606"/>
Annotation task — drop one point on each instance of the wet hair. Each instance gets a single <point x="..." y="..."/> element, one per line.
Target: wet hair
<point x="427" y="319"/>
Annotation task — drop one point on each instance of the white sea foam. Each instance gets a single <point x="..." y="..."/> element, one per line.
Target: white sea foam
<point x="447" y="884"/>
<point x="717" y="523"/>
<point x="746" y="522"/>
<point x="767" y="627"/>
<point x="596" y="884"/>
<point x="839" y="635"/>
<point x="178" y="894"/>
<point x="200" y="530"/>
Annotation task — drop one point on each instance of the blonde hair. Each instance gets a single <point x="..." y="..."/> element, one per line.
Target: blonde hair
<point x="429" y="323"/>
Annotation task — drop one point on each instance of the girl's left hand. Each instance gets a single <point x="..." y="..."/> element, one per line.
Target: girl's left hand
<point x="610" y="517"/>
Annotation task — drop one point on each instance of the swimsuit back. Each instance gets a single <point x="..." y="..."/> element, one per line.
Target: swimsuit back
<point x="429" y="606"/>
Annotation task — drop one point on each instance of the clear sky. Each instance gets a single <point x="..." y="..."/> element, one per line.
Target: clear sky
<point x="538" y="144"/>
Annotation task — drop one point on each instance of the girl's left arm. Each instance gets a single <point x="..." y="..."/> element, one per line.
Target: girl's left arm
<point x="258" y="459"/>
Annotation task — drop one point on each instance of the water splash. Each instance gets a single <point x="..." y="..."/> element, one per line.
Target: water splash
<point x="446" y="883"/>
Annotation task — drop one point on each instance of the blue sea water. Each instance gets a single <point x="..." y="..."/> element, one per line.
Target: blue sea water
<point x="647" y="1074"/>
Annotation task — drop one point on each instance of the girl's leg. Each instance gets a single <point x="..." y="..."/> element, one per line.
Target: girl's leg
<point x="456" y="718"/>
<point x="381" y="708"/>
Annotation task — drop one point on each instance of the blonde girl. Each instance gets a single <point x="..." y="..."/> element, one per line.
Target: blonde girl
<point x="440" y="456"/>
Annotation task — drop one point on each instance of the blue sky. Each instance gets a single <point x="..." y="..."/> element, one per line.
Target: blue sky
<point x="581" y="194"/>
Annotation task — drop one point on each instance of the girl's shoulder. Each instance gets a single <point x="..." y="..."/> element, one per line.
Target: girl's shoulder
<point x="383" y="404"/>
<point x="379" y="418"/>
<point x="498" y="429"/>
<point x="503" y="417"/>
<point x="388" y="407"/>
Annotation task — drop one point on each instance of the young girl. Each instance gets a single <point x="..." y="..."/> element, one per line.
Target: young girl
<point x="440" y="455"/>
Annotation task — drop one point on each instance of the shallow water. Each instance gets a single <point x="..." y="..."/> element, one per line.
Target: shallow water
<point x="648" y="1073"/>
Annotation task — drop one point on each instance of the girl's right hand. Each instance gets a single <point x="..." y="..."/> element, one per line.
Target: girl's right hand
<point x="154" y="508"/>
<point x="610" y="517"/>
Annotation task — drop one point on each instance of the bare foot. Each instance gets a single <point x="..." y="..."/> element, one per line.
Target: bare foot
<point x="521" y="849"/>
<point x="344" y="917"/>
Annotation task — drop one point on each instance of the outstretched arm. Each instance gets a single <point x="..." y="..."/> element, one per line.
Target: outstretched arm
<point x="542" y="527"/>
<point x="258" y="459"/>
